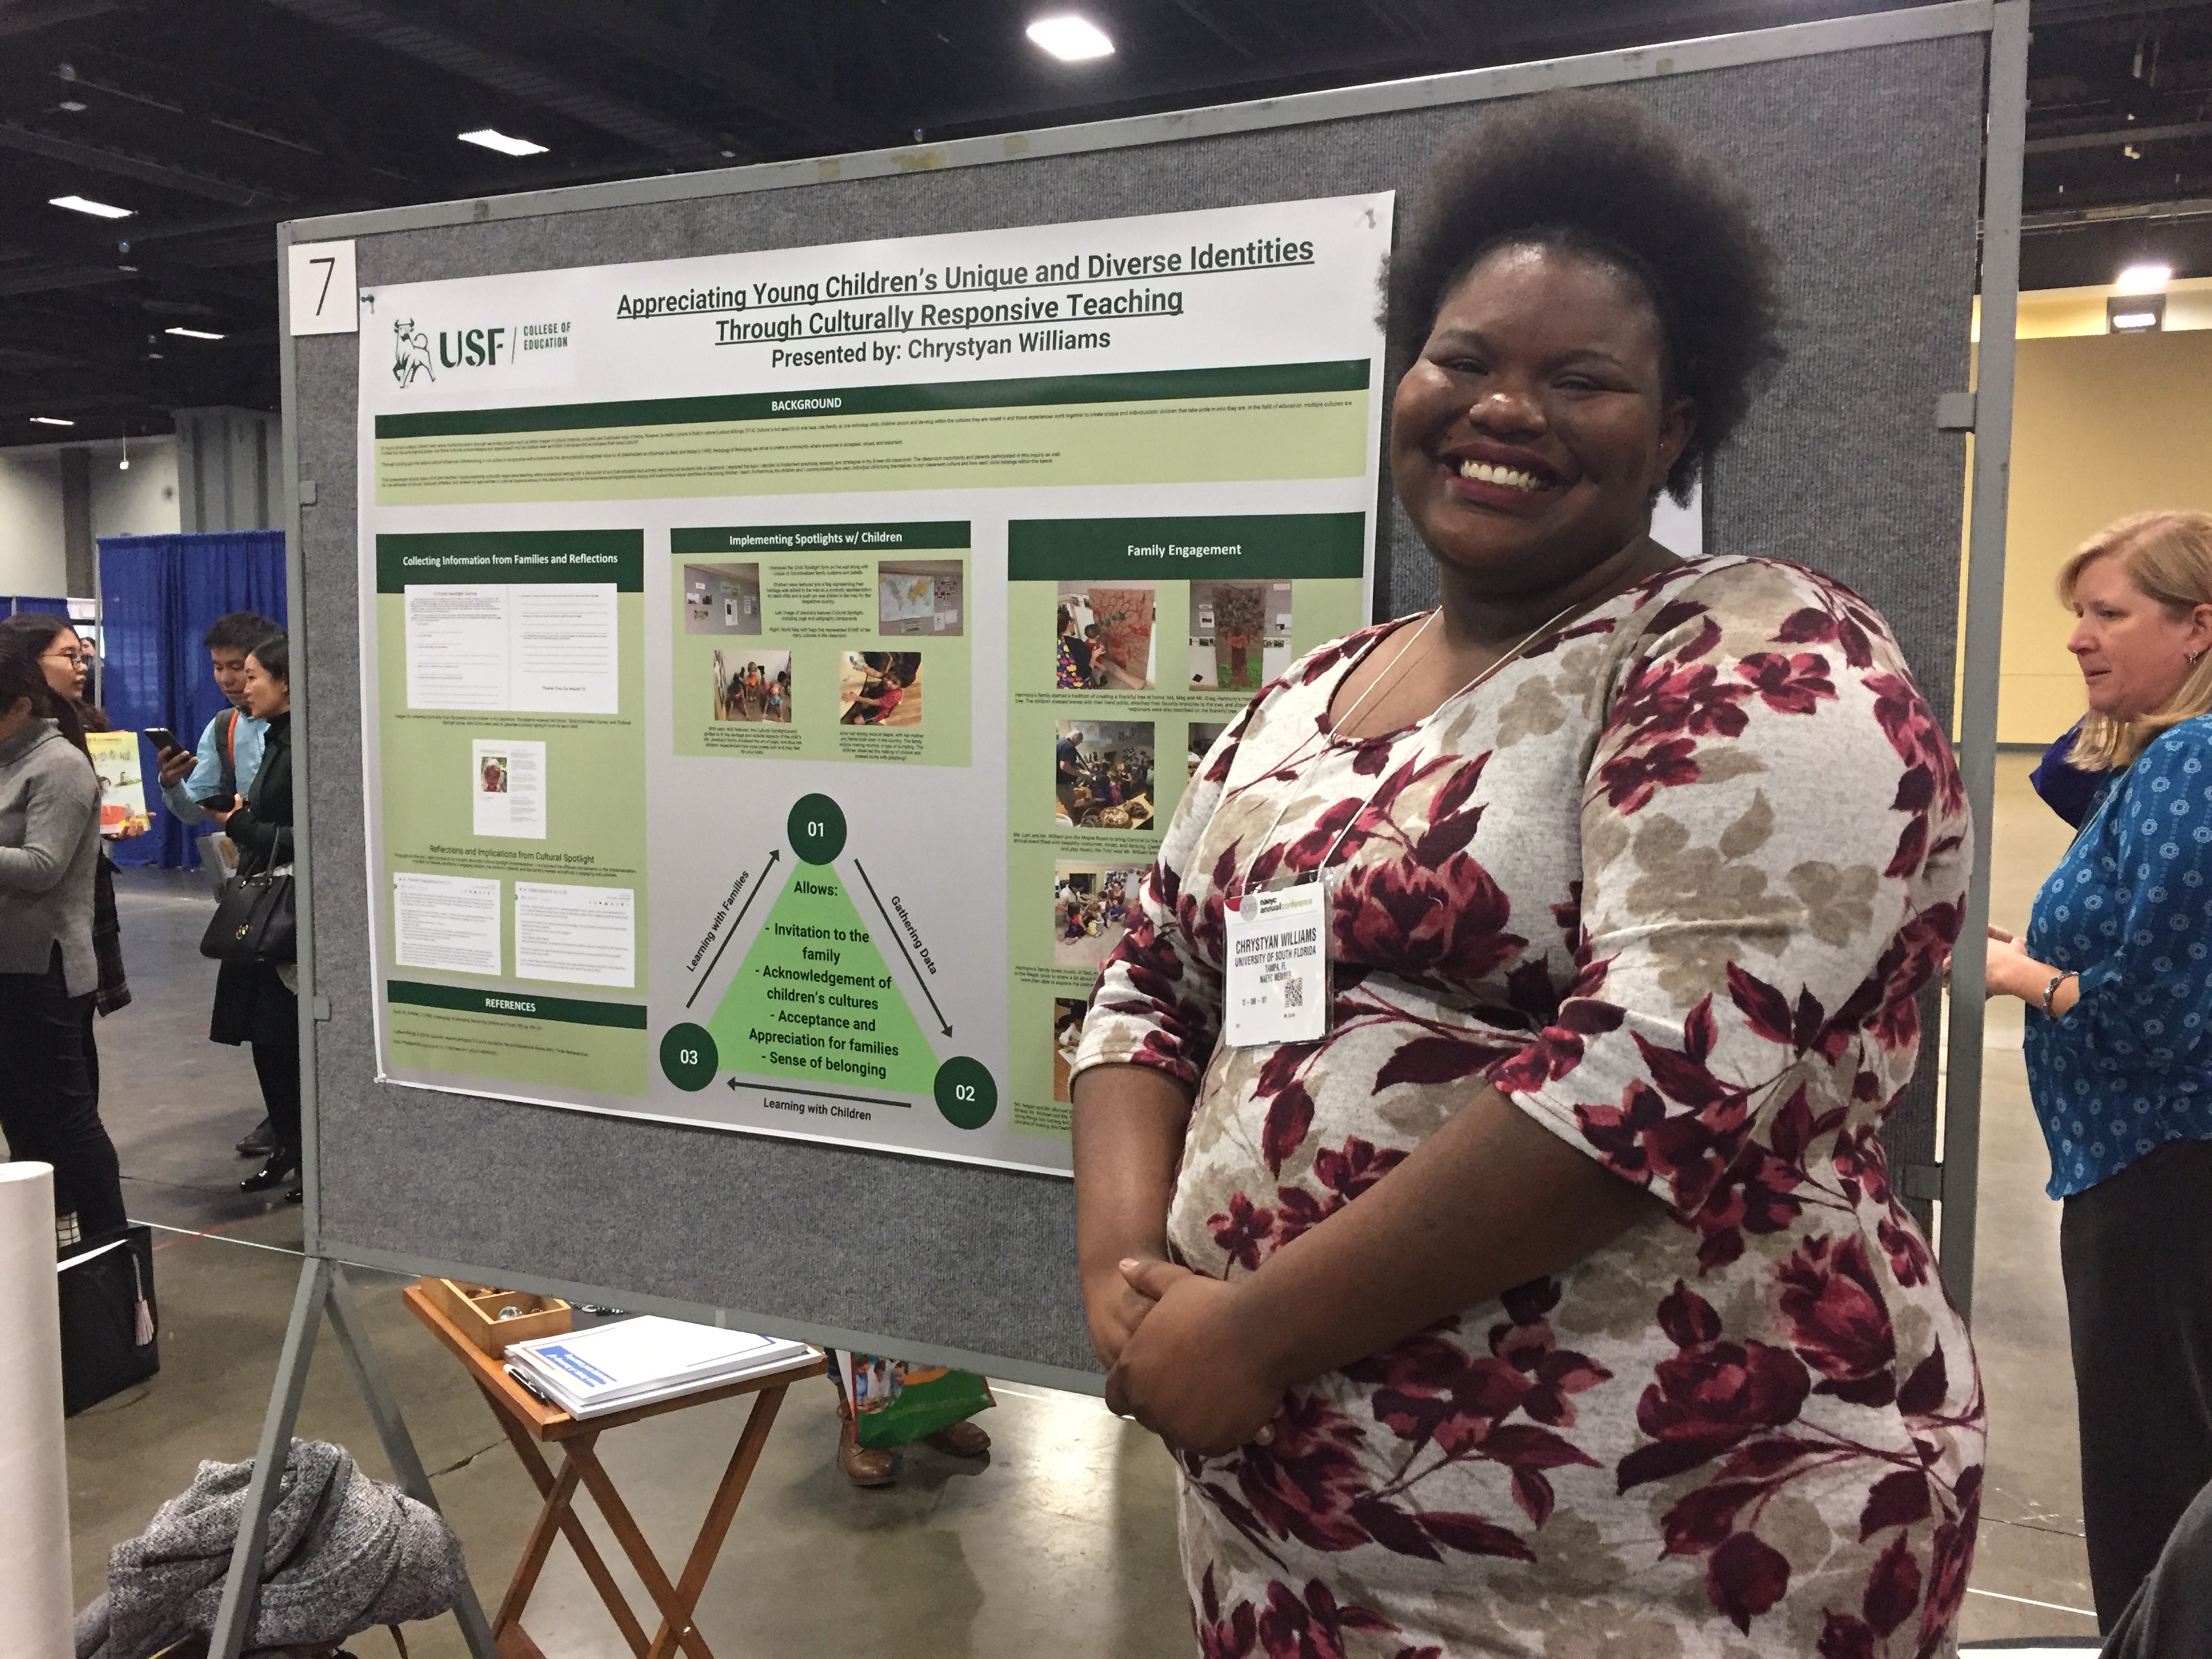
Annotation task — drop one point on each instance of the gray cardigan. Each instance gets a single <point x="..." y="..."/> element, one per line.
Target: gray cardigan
<point x="49" y="845"/>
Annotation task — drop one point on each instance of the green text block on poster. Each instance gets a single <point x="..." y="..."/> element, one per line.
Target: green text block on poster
<point x="1277" y="546"/>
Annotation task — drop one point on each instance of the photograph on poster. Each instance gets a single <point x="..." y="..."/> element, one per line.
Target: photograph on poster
<point x="1102" y="774"/>
<point x="752" y="685"/>
<point x="919" y="595"/>
<point x="1240" y="635"/>
<point x="1091" y="904"/>
<point x="1203" y="734"/>
<point x="509" y="778"/>
<point x="1067" y="1014"/>
<point x="721" y="598"/>
<point x="880" y="687"/>
<point x="1105" y="636"/>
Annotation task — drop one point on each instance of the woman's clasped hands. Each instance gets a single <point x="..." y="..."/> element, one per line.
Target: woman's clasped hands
<point x="1190" y="1365"/>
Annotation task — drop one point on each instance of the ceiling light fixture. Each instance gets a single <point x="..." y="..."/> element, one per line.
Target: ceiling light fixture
<point x="124" y="466"/>
<point x="50" y="420"/>
<point x="2143" y="279"/>
<point x="2136" y="314"/>
<point x="86" y="205"/>
<point x="1071" y="38"/>
<point x="72" y="106"/>
<point x="492" y="138"/>
<point x="194" y="333"/>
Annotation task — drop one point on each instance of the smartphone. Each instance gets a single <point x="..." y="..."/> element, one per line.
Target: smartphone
<point x="161" y="737"/>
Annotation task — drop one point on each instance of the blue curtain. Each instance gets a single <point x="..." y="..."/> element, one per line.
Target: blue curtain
<point x="23" y="602"/>
<point x="158" y="594"/>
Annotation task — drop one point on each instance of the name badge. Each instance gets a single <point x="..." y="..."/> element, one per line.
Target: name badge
<point x="1276" y="985"/>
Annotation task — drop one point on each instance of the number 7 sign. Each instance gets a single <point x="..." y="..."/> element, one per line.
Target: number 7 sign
<point x="320" y="280"/>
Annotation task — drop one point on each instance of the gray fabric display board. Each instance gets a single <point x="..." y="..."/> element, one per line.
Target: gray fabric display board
<point x="1862" y="143"/>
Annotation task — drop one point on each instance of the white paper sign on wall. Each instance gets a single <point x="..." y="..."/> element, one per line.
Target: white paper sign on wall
<point x="324" y="299"/>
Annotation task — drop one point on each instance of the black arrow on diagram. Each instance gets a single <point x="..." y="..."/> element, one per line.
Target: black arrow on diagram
<point x="732" y="933"/>
<point x="891" y="927"/>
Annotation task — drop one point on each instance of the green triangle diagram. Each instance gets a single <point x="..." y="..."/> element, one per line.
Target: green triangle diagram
<point x="815" y="1002"/>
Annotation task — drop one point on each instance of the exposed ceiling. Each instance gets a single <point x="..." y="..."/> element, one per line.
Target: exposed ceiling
<point x="212" y="120"/>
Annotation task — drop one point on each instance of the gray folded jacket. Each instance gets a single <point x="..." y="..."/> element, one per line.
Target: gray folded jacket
<point x="345" y="1553"/>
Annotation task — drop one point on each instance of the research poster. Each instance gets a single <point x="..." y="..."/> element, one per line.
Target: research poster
<point x="780" y="667"/>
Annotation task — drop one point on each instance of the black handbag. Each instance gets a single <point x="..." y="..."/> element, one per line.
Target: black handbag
<point x="110" y="1324"/>
<point x="254" y="920"/>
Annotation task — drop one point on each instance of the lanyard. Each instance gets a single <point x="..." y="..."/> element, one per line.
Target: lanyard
<point x="1406" y="666"/>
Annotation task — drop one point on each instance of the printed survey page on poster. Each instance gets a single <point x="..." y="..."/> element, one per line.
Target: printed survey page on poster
<point x="780" y="667"/>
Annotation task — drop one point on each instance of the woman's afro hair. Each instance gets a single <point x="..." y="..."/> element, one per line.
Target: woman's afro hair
<point x="1599" y="174"/>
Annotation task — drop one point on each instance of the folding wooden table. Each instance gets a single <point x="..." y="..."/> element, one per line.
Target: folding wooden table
<point x="529" y="1420"/>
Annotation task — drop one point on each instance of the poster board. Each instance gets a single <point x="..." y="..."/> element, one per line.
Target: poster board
<point x="1860" y="140"/>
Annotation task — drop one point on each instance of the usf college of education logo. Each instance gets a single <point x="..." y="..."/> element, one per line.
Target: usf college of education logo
<point x="414" y="356"/>
<point x="410" y="352"/>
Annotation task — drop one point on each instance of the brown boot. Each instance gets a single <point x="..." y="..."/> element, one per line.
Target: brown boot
<point x="961" y="1439"/>
<point x="864" y="1466"/>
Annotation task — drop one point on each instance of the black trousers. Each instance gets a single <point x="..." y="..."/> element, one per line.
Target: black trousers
<point x="277" y="1064"/>
<point x="2137" y="1255"/>
<point x="49" y="1102"/>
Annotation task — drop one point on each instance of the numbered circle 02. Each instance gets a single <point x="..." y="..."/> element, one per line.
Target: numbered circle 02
<point x="817" y="828"/>
<point x="687" y="1057"/>
<point x="966" y="1093"/>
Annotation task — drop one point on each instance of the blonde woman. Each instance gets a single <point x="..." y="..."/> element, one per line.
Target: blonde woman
<point x="2116" y="969"/>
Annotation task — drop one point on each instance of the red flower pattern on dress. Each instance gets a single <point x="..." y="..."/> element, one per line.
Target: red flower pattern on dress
<point x="1478" y="940"/>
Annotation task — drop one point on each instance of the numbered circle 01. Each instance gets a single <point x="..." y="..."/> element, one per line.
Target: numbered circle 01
<point x="966" y="1093"/>
<point x="817" y="828"/>
<point x="687" y="1057"/>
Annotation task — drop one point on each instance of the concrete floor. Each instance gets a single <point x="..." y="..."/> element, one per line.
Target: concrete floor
<point x="1064" y="1542"/>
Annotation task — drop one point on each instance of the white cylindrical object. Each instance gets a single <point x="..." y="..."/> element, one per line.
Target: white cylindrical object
<point x="37" y="1616"/>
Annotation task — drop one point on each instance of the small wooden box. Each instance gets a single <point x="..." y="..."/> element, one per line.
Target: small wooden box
<point x="475" y="1310"/>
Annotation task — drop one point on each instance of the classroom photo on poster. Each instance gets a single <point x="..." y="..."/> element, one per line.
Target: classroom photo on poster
<point x="880" y="688"/>
<point x="1102" y="774"/>
<point x="752" y="685"/>
<point x="1106" y="636"/>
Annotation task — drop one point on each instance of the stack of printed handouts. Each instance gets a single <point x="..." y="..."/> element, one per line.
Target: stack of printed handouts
<point x="636" y="1362"/>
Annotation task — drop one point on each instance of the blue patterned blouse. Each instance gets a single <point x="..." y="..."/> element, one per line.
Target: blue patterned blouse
<point x="2129" y="1068"/>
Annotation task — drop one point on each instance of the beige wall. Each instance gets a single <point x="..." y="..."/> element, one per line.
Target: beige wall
<point x="31" y="524"/>
<point x="2103" y="425"/>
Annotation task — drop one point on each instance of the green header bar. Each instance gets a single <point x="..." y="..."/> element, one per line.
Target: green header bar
<point x="512" y="556"/>
<point x="1280" y="546"/>
<point x="517" y="1005"/>
<point x="1269" y="379"/>
<point x="819" y="538"/>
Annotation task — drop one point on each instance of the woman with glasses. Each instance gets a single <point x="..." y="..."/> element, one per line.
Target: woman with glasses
<point x="49" y="848"/>
<point x="66" y="660"/>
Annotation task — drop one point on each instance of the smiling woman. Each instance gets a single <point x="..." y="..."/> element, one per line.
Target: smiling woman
<point x="1534" y="1285"/>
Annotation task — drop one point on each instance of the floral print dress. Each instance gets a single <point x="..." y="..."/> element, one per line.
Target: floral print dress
<point x="1672" y="882"/>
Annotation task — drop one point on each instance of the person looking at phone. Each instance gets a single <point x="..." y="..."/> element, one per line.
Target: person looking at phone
<point x="228" y="754"/>
<point x="222" y="766"/>
<point x="258" y="1002"/>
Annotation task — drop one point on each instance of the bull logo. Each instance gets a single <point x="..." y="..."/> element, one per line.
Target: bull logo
<point x="410" y="352"/>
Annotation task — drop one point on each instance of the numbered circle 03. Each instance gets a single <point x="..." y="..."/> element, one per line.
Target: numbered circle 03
<point x="817" y="828"/>
<point x="687" y="1058"/>
<point x="966" y="1093"/>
